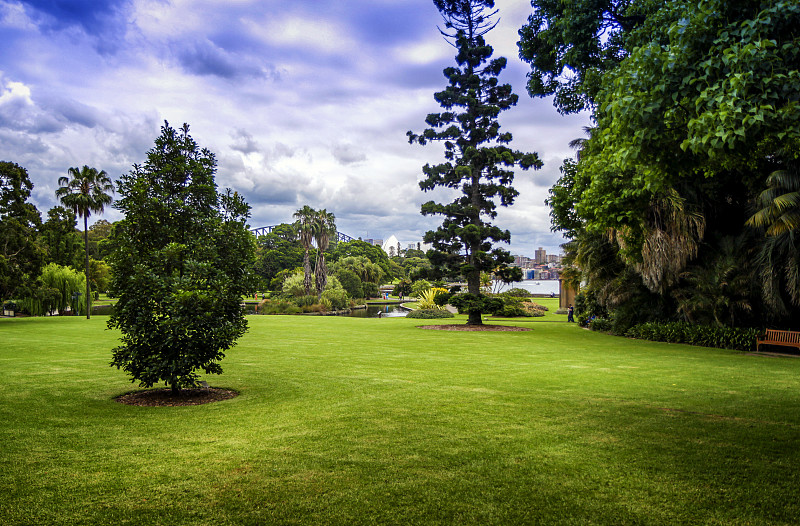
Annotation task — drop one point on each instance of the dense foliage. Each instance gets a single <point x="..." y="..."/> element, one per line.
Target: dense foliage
<point x="181" y="260"/>
<point x="682" y="202"/>
<point x="477" y="161"/>
<point x="429" y="314"/>
<point x="21" y="255"/>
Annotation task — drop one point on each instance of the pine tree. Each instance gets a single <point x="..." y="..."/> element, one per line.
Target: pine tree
<point x="478" y="162"/>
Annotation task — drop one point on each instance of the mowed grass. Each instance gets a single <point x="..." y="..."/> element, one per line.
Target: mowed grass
<point x="374" y="421"/>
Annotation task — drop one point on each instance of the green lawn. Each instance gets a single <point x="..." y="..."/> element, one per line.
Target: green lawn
<point x="373" y="421"/>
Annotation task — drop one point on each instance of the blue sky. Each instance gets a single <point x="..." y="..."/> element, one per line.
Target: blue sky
<point x="303" y="102"/>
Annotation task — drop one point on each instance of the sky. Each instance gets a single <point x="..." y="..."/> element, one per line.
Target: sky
<point x="303" y="103"/>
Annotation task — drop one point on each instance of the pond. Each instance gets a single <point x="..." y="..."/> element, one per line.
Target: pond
<point x="374" y="311"/>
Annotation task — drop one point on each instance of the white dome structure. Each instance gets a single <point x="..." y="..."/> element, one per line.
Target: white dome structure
<point x="390" y="246"/>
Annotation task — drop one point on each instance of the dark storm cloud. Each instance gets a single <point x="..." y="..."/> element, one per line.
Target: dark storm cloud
<point x="103" y="21"/>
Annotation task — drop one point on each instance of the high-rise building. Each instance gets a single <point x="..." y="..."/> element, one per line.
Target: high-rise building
<point x="540" y="256"/>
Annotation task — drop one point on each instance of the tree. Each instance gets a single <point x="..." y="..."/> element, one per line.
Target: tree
<point x="569" y="46"/>
<point x="21" y="255"/>
<point x="358" y="248"/>
<point x="694" y="109"/>
<point x="276" y="251"/>
<point x="324" y="226"/>
<point x="85" y="191"/>
<point x="98" y="234"/>
<point x="304" y="225"/>
<point x="60" y="238"/>
<point x="478" y="162"/>
<point x="779" y="254"/>
<point x="181" y="263"/>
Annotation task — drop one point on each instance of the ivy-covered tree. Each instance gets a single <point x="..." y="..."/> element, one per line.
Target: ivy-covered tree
<point x="477" y="161"/>
<point x="181" y="263"/>
<point x="21" y="255"/>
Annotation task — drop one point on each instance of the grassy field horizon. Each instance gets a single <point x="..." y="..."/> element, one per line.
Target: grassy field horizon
<point x="375" y="421"/>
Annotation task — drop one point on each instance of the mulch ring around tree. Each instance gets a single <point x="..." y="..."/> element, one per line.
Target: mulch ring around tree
<point x="165" y="397"/>
<point x="473" y="328"/>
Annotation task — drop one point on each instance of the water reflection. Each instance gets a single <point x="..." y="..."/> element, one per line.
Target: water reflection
<point x="375" y="311"/>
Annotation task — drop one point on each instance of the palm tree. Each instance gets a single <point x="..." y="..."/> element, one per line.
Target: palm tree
<point x="85" y="191"/>
<point x="779" y="216"/>
<point x="305" y="229"/>
<point x="324" y="228"/>
<point x="719" y="290"/>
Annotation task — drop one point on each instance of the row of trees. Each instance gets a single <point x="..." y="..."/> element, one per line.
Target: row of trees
<point x="684" y="199"/>
<point x="30" y="245"/>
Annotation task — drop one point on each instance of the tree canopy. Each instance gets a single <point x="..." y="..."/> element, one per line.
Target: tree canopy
<point x="694" y="106"/>
<point x="181" y="263"/>
<point x="21" y="255"/>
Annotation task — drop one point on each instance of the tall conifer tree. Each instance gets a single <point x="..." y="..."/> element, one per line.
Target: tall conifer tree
<point x="478" y="162"/>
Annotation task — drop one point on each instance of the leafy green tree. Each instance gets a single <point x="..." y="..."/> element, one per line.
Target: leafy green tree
<point x="358" y="248"/>
<point x="350" y="281"/>
<point x="181" y="263"/>
<point x="477" y="160"/>
<point x="56" y="290"/>
<point x="276" y="251"/>
<point x="569" y="46"/>
<point x="98" y="236"/>
<point x="21" y="254"/>
<point x="85" y="191"/>
<point x="60" y="238"/>
<point x="694" y="108"/>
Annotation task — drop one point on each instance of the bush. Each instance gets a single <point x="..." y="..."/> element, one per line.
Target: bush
<point x="600" y="324"/>
<point x="335" y="299"/>
<point x="515" y="307"/>
<point x="518" y="293"/>
<point x="429" y="314"/>
<point x="278" y="306"/>
<point x="476" y="303"/>
<point x="305" y="301"/>
<point x="704" y="335"/>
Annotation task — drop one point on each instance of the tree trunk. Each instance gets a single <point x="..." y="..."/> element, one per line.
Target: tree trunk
<point x="307" y="273"/>
<point x="86" y="250"/>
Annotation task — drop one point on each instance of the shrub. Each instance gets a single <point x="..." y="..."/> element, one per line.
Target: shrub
<point x="278" y="306"/>
<point x="476" y="303"/>
<point x="518" y="293"/>
<point x="335" y="299"/>
<point x="600" y="324"/>
<point x="703" y="335"/>
<point x="429" y="314"/>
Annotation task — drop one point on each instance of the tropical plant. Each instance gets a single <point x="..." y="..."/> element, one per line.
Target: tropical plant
<point x="717" y="292"/>
<point x="324" y="227"/>
<point x="427" y="299"/>
<point x="85" y="191"/>
<point x="304" y="224"/>
<point x="779" y="255"/>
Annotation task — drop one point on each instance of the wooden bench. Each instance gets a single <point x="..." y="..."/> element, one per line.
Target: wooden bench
<point x="775" y="337"/>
